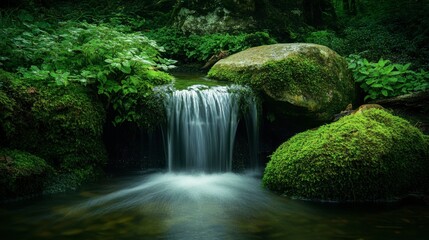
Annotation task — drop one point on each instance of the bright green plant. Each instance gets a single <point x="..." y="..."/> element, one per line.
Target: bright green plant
<point x="124" y="67"/>
<point x="385" y="79"/>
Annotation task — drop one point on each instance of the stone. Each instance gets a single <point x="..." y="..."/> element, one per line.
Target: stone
<point x="220" y="20"/>
<point x="296" y="79"/>
<point x="21" y="174"/>
<point x="370" y="155"/>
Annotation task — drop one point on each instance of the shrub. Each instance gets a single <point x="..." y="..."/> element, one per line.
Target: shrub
<point x="124" y="67"/>
<point x="329" y="39"/>
<point x="384" y="79"/>
<point x="199" y="48"/>
<point x="370" y="40"/>
<point x="374" y="41"/>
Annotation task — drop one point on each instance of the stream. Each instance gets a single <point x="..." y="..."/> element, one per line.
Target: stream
<point x="160" y="205"/>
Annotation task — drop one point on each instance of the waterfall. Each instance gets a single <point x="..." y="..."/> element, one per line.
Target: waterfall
<point x="201" y="127"/>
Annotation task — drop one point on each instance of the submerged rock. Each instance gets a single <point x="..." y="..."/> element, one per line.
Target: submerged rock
<point x="367" y="156"/>
<point x="303" y="80"/>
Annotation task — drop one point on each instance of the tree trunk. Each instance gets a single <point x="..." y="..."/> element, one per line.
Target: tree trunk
<point x="346" y="7"/>
<point x="353" y="7"/>
<point x="313" y="12"/>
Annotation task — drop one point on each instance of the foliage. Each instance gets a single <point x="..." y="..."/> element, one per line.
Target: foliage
<point x="394" y="30"/>
<point x="384" y="79"/>
<point x="21" y="173"/>
<point x="369" y="40"/>
<point x="327" y="38"/>
<point x="199" y="48"/>
<point x="374" y="41"/>
<point x="123" y="66"/>
<point x="367" y="156"/>
<point x="64" y="181"/>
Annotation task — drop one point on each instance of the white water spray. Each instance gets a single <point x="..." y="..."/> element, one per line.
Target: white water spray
<point x="202" y="124"/>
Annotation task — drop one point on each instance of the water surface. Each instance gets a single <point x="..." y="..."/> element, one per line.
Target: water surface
<point x="201" y="206"/>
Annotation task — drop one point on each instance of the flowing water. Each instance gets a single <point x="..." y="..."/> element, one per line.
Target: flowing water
<point x="201" y="206"/>
<point x="202" y="124"/>
<point x="199" y="197"/>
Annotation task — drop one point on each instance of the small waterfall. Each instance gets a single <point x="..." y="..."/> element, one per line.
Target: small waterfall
<point x="201" y="127"/>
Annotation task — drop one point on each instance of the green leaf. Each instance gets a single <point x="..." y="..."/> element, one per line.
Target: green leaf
<point x="134" y="80"/>
<point x="125" y="68"/>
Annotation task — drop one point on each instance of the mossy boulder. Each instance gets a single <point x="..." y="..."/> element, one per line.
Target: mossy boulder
<point x="21" y="174"/>
<point x="368" y="156"/>
<point x="61" y="124"/>
<point x="299" y="80"/>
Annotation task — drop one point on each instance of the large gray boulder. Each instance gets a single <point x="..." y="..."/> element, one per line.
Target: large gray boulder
<point x="297" y="79"/>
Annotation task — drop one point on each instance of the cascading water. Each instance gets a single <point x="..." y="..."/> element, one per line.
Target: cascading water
<point x="201" y="127"/>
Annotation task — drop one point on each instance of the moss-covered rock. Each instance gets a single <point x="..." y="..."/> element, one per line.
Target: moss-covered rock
<point x="21" y="174"/>
<point x="61" y="124"/>
<point x="299" y="79"/>
<point x="368" y="156"/>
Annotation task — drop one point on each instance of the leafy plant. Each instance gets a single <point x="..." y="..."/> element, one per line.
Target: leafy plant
<point x="385" y="79"/>
<point x="124" y="67"/>
<point x="199" y="48"/>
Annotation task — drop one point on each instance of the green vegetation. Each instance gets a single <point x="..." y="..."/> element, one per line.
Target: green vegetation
<point x="384" y="79"/>
<point x="21" y="174"/>
<point x="373" y="32"/>
<point x="63" y="125"/>
<point x="71" y="69"/>
<point x="65" y="79"/>
<point x="367" y="156"/>
<point x="122" y="66"/>
<point x="199" y="48"/>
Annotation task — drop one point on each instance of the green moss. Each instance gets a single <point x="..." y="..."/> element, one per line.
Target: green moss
<point x="225" y="73"/>
<point x="314" y="78"/>
<point x="363" y="157"/>
<point x="71" y="180"/>
<point x="21" y="174"/>
<point x="63" y="125"/>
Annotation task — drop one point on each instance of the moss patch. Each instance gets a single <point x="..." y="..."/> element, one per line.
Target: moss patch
<point x="310" y="77"/>
<point x="368" y="156"/>
<point x="21" y="174"/>
<point x="63" y="125"/>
